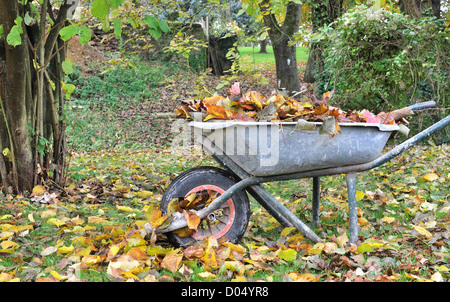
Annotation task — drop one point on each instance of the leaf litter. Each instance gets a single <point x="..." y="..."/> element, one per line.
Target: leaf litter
<point x="96" y="224"/>
<point x="303" y="107"/>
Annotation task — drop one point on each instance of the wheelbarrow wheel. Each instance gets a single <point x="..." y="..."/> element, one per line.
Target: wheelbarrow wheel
<point x="229" y="221"/>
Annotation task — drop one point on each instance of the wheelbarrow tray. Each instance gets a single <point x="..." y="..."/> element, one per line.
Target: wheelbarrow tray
<point x="271" y="148"/>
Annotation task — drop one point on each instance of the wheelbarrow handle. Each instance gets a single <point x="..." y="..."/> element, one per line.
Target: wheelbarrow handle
<point x="423" y="106"/>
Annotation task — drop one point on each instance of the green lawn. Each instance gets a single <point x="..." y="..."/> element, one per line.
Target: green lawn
<point x="253" y="56"/>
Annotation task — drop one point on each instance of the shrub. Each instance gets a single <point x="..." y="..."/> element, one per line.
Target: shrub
<point x="376" y="59"/>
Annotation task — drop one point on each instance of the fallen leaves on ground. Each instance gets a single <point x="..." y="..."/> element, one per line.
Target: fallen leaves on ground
<point x="94" y="228"/>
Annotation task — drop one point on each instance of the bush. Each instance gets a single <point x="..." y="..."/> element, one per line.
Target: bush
<point x="378" y="59"/>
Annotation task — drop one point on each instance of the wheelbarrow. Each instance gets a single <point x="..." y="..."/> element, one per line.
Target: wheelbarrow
<point x="251" y="154"/>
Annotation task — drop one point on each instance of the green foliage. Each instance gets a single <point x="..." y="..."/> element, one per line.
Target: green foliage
<point x="376" y="59"/>
<point x="14" y="38"/>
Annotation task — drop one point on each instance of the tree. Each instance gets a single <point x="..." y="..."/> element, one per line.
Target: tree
<point x="323" y="12"/>
<point x="421" y="8"/>
<point x="282" y="21"/>
<point x="32" y="96"/>
<point x="33" y="65"/>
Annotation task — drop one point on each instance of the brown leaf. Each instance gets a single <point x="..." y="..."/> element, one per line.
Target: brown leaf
<point x="172" y="262"/>
<point x="192" y="219"/>
<point x="194" y="252"/>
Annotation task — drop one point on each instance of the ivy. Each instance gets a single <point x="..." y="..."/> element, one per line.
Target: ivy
<point x="14" y="37"/>
<point x="378" y="58"/>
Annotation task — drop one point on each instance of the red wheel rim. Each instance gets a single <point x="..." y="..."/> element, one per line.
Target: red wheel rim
<point x="225" y="221"/>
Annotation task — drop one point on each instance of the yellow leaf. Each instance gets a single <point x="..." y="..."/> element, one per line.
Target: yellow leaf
<point x="362" y="221"/>
<point x="288" y="254"/>
<point x="8" y="227"/>
<point x="56" y="275"/>
<point x="388" y="219"/>
<point x="136" y="240"/>
<point x="113" y="250"/>
<point x="360" y="195"/>
<point x="441" y="268"/>
<point x="7" y="153"/>
<point x="239" y="279"/>
<point x="38" y="190"/>
<point x="83" y="252"/>
<point x="97" y="219"/>
<point x="316" y="249"/>
<point x="6" y="217"/>
<point x="124" y="208"/>
<point x="144" y="194"/>
<point x="156" y="219"/>
<point x="422" y="231"/>
<point x="66" y="249"/>
<point x="56" y="222"/>
<point x="8" y="246"/>
<point x="286" y="231"/>
<point x="431" y="177"/>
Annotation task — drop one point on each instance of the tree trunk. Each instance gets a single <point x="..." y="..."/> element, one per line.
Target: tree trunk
<point x="285" y="54"/>
<point x="323" y="12"/>
<point x="286" y="66"/>
<point x="417" y="8"/>
<point x="263" y="46"/>
<point x="313" y="65"/>
<point x="15" y="101"/>
<point x="31" y="98"/>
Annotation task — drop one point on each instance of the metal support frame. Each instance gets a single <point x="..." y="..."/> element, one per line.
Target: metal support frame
<point x="352" y="207"/>
<point x="315" y="202"/>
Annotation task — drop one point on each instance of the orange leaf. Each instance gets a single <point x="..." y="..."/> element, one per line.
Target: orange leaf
<point x="322" y="109"/>
<point x="182" y="111"/>
<point x="217" y="112"/>
<point x="137" y="253"/>
<point x="156" y="219"/>
<point x="172" y="262"/>
<point x="211" y="101"/>
<point x="257" y="99"/>
<point x="192" y="219"/>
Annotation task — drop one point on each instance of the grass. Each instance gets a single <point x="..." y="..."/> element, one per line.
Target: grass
<point x="105" y="174"/>
<point x="252" y="55"/>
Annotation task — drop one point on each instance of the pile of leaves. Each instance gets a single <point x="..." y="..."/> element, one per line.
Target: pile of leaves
<point x="253" y="106"/>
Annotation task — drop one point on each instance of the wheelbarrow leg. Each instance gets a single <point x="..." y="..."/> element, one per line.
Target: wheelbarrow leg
<point x="352" y="209"/>
<point x="288" y="215"/>
<point x="256" y="190"/>
<point x="315" y="202"/>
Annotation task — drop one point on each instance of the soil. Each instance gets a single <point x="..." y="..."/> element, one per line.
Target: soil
<point x="87" y="57"/>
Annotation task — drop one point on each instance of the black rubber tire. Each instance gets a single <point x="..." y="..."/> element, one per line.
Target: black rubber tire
<point x="209" y="176"/>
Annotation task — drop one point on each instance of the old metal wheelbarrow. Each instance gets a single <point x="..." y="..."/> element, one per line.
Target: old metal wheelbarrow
<point x="255" y="153"/>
